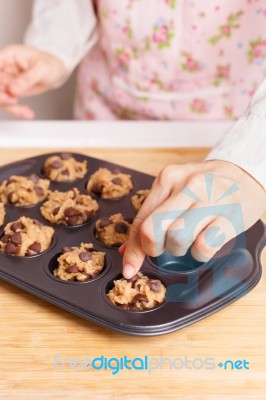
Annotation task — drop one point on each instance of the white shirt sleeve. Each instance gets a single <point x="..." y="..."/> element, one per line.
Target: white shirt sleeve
<point x="63" y="28"/>
<point x="245" y="143"/>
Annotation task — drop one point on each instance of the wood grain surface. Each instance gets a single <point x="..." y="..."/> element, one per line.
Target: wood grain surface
<point x="33" y="332"/>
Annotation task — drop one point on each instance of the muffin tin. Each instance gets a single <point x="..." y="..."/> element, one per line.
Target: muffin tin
<point x="194" y="290"/>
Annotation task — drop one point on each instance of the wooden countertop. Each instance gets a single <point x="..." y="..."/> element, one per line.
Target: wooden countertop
<point x="33" y="332"/>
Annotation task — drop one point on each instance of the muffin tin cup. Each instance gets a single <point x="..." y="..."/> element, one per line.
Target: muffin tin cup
<point x="52" y="265"/>
<point x="151" y="275"/>
<point x="194" y="290"/>
<point x="52" y="245"/>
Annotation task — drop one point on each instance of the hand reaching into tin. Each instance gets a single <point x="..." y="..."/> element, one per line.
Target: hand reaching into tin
<point x="24" y="72"/>
<point x="217" y="198"/>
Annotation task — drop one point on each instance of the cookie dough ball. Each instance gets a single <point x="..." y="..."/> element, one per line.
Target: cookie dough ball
<point x="26" y="237"/>
<point x="2" y="213"/>
<point x="138" y="199"/>
<point x="69" y="208"/>
<point x="24" y="190"/>
<point x="109" y="185"/>
<point x="137" y="293"/>
<point x="113" y="231"/>
<point x="79" y="263"/>
<point x="64" y="168"/>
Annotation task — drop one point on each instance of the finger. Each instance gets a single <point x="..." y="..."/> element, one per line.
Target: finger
<point x="5" y="78"/>
<point x="6" y="100"/>
<point x="27" y="80"/>
<point x="122" y="248"/>
<point x="181" y="233"/>
<point x="212" y="238"/>
<point x="133" y="254"/>
<point x="154" y="228"/>
<point x="21" y="111"/>
<point x="15" y="56"/>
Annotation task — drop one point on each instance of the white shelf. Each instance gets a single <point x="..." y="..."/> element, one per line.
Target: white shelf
<point x="71" y="134"/>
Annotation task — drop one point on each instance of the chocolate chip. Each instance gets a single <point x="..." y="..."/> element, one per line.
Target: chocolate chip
<point x="89" y="214"/>
<point x="73" y="193"/>
<point x="85" y="256"/>
<point x="139" y="297"/>
<point x="55" y="211"/>
<point x="88" y="248"/>
<point x="36" y="247"/>
<point x="117" y="181"/>
<point x="133" y="279"/>
<point x="56" y="164"/>
<point x="65" y="156"/>
<point x="121" y="227"/>
<point x="34" y="178"/>
<point x="154" y="285"/>
<point x="70" y="212"/>
<point x="38" y="190"/>
<point x="38" y="223"/>
<point x="72" y="268"/>
<point x="97" y="188"/>
<point x="66" y="249"/>
<point x="5" y="238"/>
<point x="16" y="238"/>
<point x="11" y="248"/>
<point x="72" y="220"/>
<point x="65" y="172"/>
<point x="105" y="222"/>
<point x="117" y="171"/>
<point x="129" y="220"/>
<point x="11" y="180"/>
<point x="10" y="198"/>
<point x="17" y="226"/>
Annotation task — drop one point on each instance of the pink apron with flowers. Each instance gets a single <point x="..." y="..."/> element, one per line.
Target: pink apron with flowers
<point x="173" y="60"/>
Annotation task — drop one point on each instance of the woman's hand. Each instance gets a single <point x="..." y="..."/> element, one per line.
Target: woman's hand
<point x="181" y="193"/>
<point x="24" y="72"/>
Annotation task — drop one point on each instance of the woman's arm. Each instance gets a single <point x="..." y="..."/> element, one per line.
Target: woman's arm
<point x="64" y="28"/>
<point x="245" y="143"/>
<point x="236" y="172"/>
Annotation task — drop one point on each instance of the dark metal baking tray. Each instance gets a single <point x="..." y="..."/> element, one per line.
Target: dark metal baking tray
<point x="194" y="290"/>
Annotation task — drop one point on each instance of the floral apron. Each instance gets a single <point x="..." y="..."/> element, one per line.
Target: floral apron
<point x="173" y="60"/>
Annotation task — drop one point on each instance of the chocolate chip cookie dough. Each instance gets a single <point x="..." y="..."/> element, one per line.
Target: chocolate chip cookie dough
<point x="26" y="237"/>
<point x="24" y="190"/>
<point x="64" y="168"/>
<point x="113" y="231"/>
<point x="79" y="263"/>
<point x="109" y="185"/>
<point x="69" y="208"/>
<point x="138" y="199"/>
<point x="137" y="293"/>
<point x="2" y="213"/>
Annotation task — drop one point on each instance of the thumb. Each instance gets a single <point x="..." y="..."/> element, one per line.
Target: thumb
<point x="133" y="254"/>
<point x="22" y="85"/>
